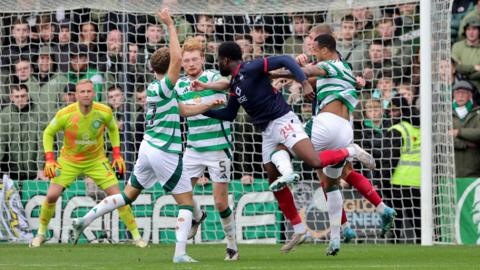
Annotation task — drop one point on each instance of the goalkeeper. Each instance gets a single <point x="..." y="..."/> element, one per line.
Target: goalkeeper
<point x="83" y="124"/>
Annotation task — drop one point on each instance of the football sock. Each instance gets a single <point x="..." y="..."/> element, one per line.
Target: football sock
<point x="364" y="186"/>
<point x="228" y="224"/>
<point x="281" y="159"/>
<point x="299" y="228"/>
<point x="344" y="214"/>
<point x="47" y="210"/>
<point x="335" y="206"/>
<point x="332" y="157"/>
<point x="107" y="205"/>
<point x="126" y="215"/>
<point x="182" y="228"/>
<point x="197" y="212"/>
<point x="287" y="205"/>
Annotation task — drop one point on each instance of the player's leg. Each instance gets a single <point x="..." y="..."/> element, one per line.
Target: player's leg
<point x="194" y="167"/>
<point x="365" y="187"/>
<point x="219" y="170"/>
<point x="65" y="176"/>
<point x="330" y="175"/>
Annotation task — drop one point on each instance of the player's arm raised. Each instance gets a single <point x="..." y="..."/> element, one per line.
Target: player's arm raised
<point x="48" y="138"/>
<point x="226" y="114"/>
<point x="175" y="65"/>
<point x="114" y="136"/>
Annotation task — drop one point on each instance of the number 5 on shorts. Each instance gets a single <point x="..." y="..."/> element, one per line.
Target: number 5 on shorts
<point x="222" y="166"/>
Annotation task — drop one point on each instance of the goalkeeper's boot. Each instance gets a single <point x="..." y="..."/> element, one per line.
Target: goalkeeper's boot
<point x="140" y="243"/>
<point x="195" y="225"/>
<point x="232" y="255"/>
<point x="77" y="229"/>
<point x="348" y="234"/>
<point x="333" y="247"/>
<point x="283" y="181"/>
<point x="37" y="241"/>
<point x="387" y="220"/>
<point x="184" y="259"/>
<point x="297" y="240"/>
<point x="363" y="156"/>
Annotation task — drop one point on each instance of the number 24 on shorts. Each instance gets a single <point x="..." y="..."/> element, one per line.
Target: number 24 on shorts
<point x="287" y="129"/>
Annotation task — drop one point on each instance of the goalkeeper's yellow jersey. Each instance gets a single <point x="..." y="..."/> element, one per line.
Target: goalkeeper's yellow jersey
<point x="83" y="134"/>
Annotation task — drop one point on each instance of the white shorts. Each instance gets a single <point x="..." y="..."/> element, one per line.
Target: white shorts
<point x="217" y="162"/>
<point x="154" y="165"/>
<point x="330" y="131"/>
<point x="286" y="130"/>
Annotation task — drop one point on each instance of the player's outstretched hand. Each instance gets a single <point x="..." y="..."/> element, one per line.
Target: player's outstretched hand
<point x="118" y="162"/>
<point x="360" y="82"/>
<point x="198" y="86"/>
<point x="51" y="166"/>
<point x="165" y="16"/>
<point x="308" y="93"/>
<point x="302" y="59"/>
<point x="217" y="102"/>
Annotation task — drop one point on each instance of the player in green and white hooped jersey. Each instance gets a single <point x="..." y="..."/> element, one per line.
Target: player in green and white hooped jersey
<point x="208" y="142"/>
<point x="159" y="157"/>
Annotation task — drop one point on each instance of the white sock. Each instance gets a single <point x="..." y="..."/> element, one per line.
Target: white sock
<point x="351" y="151"/>
<point x="381" y="208"/>
<point x="299" y="228"/>
<point x="228" y="224"/>
<point x="184" y="223"/>
<point x="107" y="205"/>
<point x="197" y="212"/>
<point x="281" y="159"/>
<point x="335" y="205"/>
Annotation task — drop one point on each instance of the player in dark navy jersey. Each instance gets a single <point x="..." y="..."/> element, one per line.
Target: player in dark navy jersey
<point x="282" y="131"/>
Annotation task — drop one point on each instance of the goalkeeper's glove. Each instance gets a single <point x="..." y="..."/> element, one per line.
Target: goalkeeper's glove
<point x="118" y="161"/>
<point x="51" y="165"/>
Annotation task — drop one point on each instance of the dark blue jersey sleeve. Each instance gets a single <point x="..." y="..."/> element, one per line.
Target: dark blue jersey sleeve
<point x="226" y="114"/>
<point x="275" y="62"/>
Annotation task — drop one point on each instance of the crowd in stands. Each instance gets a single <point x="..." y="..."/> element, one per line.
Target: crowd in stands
<point x="44" y="55"/>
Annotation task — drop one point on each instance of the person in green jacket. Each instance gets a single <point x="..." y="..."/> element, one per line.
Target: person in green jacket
<point x="79" y="70"/>
<point x="21" y="126"/>
<point x="466" y="131"/>
<point x="466" y="53"/>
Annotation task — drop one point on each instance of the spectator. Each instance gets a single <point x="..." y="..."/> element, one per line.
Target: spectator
<point x="63" y="46"/>
<point x="20" y="45"/>
<point x="121" y="110"/>
<point x="400" y="52"/>
<point x="246" y="44"/>
<point x="408" y="24"/>
<point x="135" y="70"/>
<point x="301" y="25"/>
<point x="466" y="131"/>
<point x="21" y="126"/>
<point x="385" y="90"/>
<point x="467" y="52"/>
<point x="80" y="70"/>
<point x="139" y="115"/>
<point x="406" y="141"/>
<point x="448" y="72"/>
<point x="114" y="65"/>
<point x="459" y="10"/>
<point x="350" y="48"/>
<point x="371" y="134"/>
<point x="23" y="73"/>
<point x="377" y="62"/>
<point x="46" y="31"/>
<point x="51" y="82"/>
<point x="68" y="95"/>
<point x="262" y="40"/>
<point x="89" y="37"/>
<point x="408" y="91"/>
<point x="155" y="38"/>
<point x="472" y="13"/>
<point x="364" y="22"/>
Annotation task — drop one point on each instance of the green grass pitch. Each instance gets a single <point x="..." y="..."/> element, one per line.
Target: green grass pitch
<point x="308" y="256"/>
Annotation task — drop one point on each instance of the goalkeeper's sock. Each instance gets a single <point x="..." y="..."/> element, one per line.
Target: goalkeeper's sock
<point x="281" y="160"/>
<point x="228" y="224"/>
<point x="364" y="186"/>
<point x="126" y="215"/>
<point x="287" y="205"/>
<point x="197" y="212"/>
<point x="47" y="210"/>
<point x="332" y="157"/>
<point x="107" y="205"/>
<point x="184" y="223"/>
<point x="344" y="214"/>
<point x="335" y="206"/>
